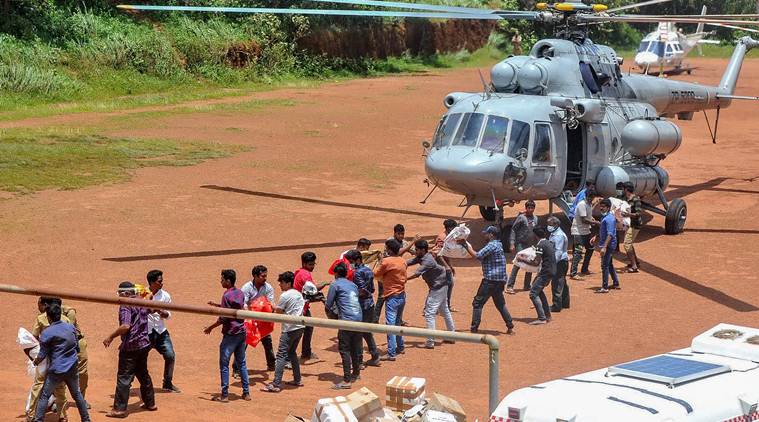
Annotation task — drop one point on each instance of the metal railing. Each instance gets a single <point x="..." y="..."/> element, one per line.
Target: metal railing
<point x="485" y="339"/>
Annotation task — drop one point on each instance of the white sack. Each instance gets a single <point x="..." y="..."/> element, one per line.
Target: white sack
<point x="528" y="254"/>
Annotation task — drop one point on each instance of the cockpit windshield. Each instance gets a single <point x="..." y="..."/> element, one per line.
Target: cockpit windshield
<point x="466" y="129"/>
<point x="494" y="137"/>
<point x="446" y="129"/>
<point x="656" y="47"/>
<point x="469" y="130"/>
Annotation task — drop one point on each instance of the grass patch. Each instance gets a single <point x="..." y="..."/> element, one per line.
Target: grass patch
<point x="34" y="160"/>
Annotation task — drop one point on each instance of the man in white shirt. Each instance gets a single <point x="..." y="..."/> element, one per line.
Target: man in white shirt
<point x="159" y="336"/>
<point x="254" y="289"/>
<point x="291" y="302"/>
<point x="581" y="229"/>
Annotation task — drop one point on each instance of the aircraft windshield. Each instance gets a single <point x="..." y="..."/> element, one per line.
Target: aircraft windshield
<point x="446" y="130"/>
<point x="519" y="138"/>
<point x="643" y="47"/>
<point x="469" y="130"/>
<point x="494" y="137"/>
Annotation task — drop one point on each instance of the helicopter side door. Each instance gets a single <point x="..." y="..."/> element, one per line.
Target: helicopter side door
<point x="547" y="158"/>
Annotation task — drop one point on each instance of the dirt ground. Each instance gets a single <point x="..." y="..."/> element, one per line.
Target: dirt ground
<point x="346" y="163"/>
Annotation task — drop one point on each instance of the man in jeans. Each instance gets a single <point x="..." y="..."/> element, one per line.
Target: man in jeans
<point x="344" y="294"/>
<point x="133" y="354"/>
<point x="159" y="334"/>
<point x="545" y="256"/>
<point x="493" y="262"/>
<point x="521" y="237"/>
<point x="581" y="227"/>
<point x="392" y="271"/>
<point x="607" y="243"/>
<point x="59" y="343"/>
<point x="434" y="272"/>
<point x="233" y="340"/>
<point x="253" y="289"/>
<point x="448" y="226"/>
<point x="302" y="276"/>
<point x="291" y="302"/>
<point x="363" y="277"/>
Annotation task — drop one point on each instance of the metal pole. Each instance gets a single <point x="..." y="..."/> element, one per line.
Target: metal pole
<point x="487" y="339"/>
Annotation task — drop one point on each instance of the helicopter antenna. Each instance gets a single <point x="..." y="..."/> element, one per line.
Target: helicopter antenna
<point x="485" y="86"/>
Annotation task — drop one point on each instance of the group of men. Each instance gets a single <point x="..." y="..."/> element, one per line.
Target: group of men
<point x="351" y="297"/>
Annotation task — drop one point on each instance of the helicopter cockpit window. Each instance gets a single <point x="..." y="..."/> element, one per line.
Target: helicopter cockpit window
<point x="519" y="138"/>
<point x="669" y="50"/>
<point x="644" y="46"/>
<point x="494" y="137"/>
<point x="469" y="130"/>
<point x="542" y="150"/>
<point x="657" y="47"/>
<point x="446" y="130"/>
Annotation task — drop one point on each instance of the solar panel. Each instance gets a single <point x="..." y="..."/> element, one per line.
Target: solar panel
<point x="667" y="369"/>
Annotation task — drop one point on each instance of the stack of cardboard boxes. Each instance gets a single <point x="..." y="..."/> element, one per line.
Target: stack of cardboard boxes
<point x="406" y="400"/>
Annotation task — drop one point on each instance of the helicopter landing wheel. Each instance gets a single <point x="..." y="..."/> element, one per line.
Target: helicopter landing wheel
<point x="488" y="213"/>
<point x="677" y="214"/>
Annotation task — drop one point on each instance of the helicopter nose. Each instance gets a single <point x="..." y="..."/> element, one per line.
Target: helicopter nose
<point x="646" y="58"/>
<point x="466" y="170"/>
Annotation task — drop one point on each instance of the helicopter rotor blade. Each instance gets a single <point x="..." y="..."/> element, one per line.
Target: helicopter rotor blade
<point x="636" y="5"/>
<point x="740" y="16"/>
<point x="412" y="6"/>
<point x="649" y="19"/>
<point x="734" y="27"/>
<point x="325" y="12"/>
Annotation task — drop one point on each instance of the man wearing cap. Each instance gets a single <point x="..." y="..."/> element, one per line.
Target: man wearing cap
<point x="493" y="262"/>
<point x="522" y="237"/>
<point x="133" y="354"/>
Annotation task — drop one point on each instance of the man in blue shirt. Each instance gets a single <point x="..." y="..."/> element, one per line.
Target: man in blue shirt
<point x="559" y="286"/>
<point x="493" y="278"/>
<point x="363" y="277"/>
<point x="59" y="343"/>
<point x="607" y="244"/>
<point x="344" y="294"/>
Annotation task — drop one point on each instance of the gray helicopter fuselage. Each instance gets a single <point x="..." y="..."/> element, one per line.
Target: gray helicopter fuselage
<point x="563" y="114"/>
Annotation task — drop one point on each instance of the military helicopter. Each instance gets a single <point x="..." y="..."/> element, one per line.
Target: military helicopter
<point x="664" y="50"/>
<point x="562" y="114"/>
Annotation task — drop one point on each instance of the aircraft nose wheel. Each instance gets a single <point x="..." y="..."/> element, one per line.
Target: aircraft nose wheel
<point x="677" y="214"/>
<point x="488" y="213"/>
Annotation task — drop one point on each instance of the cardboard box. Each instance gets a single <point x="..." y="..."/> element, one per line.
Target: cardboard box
<point x="445" y="404"/>
<point x="363" y="403"/>
<point x="403" y="393"/>
<point x="333" y="410"/>
<point x="435" y="416"/>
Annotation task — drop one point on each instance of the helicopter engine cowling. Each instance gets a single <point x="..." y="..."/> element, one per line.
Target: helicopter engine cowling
<point x="651" y="137"/>
<point x="533" y="76"/>
<point x="644" y="178"/>
<point x="504" y="73"/>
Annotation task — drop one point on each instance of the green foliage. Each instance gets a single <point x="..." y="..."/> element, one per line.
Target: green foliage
<point x="33" y="160"/>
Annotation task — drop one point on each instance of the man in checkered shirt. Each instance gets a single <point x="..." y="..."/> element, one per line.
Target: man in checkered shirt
<point x="493" y="278"/>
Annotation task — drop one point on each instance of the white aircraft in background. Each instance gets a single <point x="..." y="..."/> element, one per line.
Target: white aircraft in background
<point x="664" y="50"/>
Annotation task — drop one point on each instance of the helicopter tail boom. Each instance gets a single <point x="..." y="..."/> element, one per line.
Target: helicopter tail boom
<point x="730" y="77"/>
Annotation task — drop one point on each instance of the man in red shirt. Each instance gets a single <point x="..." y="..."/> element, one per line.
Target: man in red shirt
<point x="303" y="275"/>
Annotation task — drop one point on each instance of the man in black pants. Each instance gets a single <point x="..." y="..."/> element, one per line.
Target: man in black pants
<point x="133" y="355"/>
<point x="493" y="278"/>
<point x="159" y="334"/>
<point x="582" y="224"/>
<point x="363" y="277"/>
<point x="344" y="294"/>
<point x="546" y="259"/>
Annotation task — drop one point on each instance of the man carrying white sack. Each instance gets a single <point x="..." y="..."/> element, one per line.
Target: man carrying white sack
<point x="434" y="272"/>
<point x="446" y="247"/>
